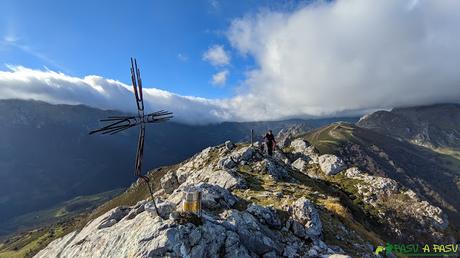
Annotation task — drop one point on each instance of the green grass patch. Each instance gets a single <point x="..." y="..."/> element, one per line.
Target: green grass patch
<point x="28" y="243"/>
<point x="60" y="212"/>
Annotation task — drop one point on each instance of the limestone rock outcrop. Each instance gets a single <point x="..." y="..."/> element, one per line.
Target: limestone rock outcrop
<point x="225" y="229"/>
<point x="331" y="164"/>
<point x="254" y="205"/>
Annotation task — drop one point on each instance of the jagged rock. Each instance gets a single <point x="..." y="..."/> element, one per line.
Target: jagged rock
<point x="194" y="236"/>
<point x="331" y="164"/>
<point x="149" y="236"/>
<point x="271" y="254"/>
<point x="250" y="232"/>
<point x="312" y="253"/>
<point x="372" y="185"/>
<point x="169" y="182"/>
<point x="226" y="179"/>
<point x="138" y="208"/>
<point x="231" y="233"/>
<point x="244" y="153"/>
<point x="181" y="176"/>
<point x="145" y="236"/>
<point x="284" y="142"/>
<point x="304" y="150"/>
<point x="275" y="169"/>
<point x="298" y="229"/>
<point x="322" y="245"/>
<point x="229" y="145"/>
<point x="283" y="138"/>
<point x="164" y="208"/>
<point x="281" y="156"/>
<point x="299" y="145"/>
<point x="205" y="167"/>
<point x="208" y="243"/>
<point x="286" y="135"/>
<point x="113" y="216"/>
<point x="306" y="221"/>
<point x="266" y="215"/>
<point x="290" y="251"/>
<point x="312" y="154"/>
<point x="352" y="172"/>
<point x="394" y="204"/>
<point x="430" y="215"/>
<point x="208" y="240"/>
<point x="221" y="231"/>
<point x="226" y="163"/>
<point x="215" y="197"/>
<point x="300" y="164"/>
<point x="234" y="247"/>
<point x="195" y="163"/>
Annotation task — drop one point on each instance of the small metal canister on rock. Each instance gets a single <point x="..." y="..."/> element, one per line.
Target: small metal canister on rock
<point x="192" y="201"/>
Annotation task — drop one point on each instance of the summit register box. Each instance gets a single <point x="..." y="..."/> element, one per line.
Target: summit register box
<point x="191" y="201"/>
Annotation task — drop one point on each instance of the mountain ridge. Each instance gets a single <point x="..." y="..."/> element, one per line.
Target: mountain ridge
<point x="247" y="191"/>
<point x="433" y="126"/>
<point x="47" y="156"/>
<point x="367" y="187"/>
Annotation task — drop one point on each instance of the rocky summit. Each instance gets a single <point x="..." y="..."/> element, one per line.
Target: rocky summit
<point x="294" y="204"/>
<point x="433" y="126"/>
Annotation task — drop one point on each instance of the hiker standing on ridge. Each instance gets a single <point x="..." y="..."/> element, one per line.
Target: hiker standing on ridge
<point x="270" y="142"/>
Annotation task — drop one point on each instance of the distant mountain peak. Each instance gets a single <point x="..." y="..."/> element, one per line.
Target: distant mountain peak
<point x="435" y="125"/>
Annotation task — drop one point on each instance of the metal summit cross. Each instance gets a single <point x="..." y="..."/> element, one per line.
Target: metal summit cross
<point x="121" y="123"/>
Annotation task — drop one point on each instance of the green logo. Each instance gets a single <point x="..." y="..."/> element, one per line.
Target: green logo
<point x="379" y="249"/>
<point x="418" y="249"/>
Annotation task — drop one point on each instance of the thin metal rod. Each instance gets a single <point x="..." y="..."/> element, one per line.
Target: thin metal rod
<point x="137" y="172"/>
<point x="114" y="128"/>
<point x="158" y="120"/>
<point x="147" y="181"/>
<point x="116" y="119"/>
<point x="134" y="82"/>
<point x="139" y="85"/>
<point x="119" y="130"/>
<point x="127" y="117"/>
<point x="116" y="123"/>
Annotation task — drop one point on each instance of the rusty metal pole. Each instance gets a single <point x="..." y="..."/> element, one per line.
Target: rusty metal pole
<point x="121" y="123"/>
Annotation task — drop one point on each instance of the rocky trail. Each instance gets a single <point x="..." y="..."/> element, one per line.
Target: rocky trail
<point x="297" y="203"/>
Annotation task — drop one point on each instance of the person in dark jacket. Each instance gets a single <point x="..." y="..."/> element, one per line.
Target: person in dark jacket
<point x="270" y="142"/>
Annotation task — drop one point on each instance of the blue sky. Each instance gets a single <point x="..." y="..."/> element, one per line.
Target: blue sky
<point x="98" y="37"/>
<point x="247" y="60"/>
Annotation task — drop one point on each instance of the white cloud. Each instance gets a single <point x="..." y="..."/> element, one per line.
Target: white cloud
<point x="53" y="87"/>
<point x="182" y="57"/>
<point x="214" y="4"/>
<point x="217" y="56"/>
<point x="220" y="78"/>
<point x="351" y="55"/>
<point x="11" y="40"/>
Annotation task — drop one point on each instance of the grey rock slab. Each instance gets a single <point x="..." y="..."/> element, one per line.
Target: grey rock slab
<point x="331" y="164"/>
